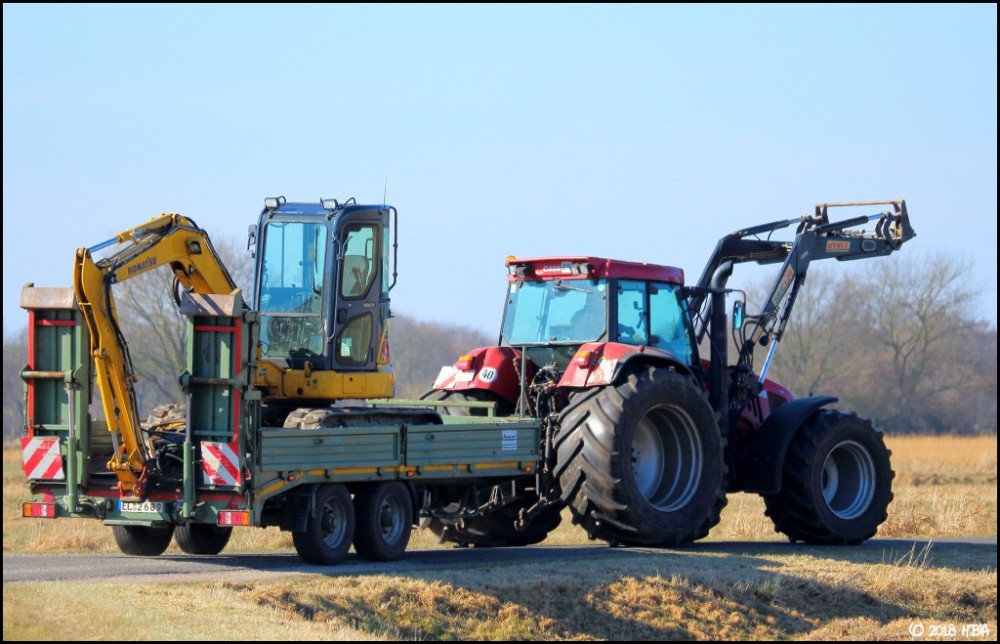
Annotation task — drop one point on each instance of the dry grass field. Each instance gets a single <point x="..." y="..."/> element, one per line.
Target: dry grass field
<point x="944" y="487"/>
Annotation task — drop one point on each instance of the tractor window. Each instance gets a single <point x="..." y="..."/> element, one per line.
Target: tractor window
<point x="666" y="321"/>
<point x="555" y="311"/>
<point x="359" y="268"/>
<point x="632" y="312"/>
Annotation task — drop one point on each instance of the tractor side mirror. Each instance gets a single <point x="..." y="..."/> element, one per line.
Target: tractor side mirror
<point x="738" y="312"/>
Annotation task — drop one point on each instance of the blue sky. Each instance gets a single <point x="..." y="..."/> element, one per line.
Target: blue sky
<point x="637" y="132"/>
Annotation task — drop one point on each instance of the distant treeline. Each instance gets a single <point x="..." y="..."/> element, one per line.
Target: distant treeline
<point x="899" y="344"/>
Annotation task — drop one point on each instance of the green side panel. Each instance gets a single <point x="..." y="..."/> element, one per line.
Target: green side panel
<point x="212" y="356"/>
<point x="329" y="448"/>
<point x="473" y="443"/>
<point x="56" y="349"/>
<point x="60" y="344"/>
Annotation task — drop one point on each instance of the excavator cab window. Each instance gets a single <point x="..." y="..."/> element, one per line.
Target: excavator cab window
<point x="358" y="269"/>
<point x="291" y="288"/>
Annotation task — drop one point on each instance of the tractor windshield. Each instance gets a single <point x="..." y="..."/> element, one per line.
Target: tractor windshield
<point x="570" y="311"/>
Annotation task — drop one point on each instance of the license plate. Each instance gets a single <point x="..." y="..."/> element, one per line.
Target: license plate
<point x="155" y="507"/>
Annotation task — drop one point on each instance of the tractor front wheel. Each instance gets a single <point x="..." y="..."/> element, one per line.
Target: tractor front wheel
<point x="836" y="483"/>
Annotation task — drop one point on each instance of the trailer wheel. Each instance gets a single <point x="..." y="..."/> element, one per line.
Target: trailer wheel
<point x="641" y="463"/>
<point x="142" y="541"/>
<point x="384" y="521"/>
<point x="836" y="483"/>
<point x="202" y="538"/>
<point x="329" y="528"/>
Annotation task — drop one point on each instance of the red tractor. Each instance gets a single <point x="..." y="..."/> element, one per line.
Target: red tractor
<point x="645" y="423"/>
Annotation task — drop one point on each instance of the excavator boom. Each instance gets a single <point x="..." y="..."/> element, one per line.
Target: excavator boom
<point x="169" y="240"/>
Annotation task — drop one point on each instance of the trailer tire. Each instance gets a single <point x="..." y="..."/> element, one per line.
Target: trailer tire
<point x="202" y="538"/>
<point x="384" y="523"/>
<point x="642" y="462"/>
<point x="142" y="541"/>
<point x="836" y="482"/>
<point x="329" y="527"/>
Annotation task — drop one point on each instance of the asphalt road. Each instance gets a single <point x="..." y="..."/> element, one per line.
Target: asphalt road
<point x="257" y="567"/>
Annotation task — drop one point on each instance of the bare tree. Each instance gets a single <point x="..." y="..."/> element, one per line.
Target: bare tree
<point x="156" y="332"/>
<point x="820" y="343"/>
<point x="15" y="357"/>
<point x="920" y="311"/>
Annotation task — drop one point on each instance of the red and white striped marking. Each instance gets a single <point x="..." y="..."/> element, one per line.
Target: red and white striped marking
<point x="220" y="463"/>
<point x="41" y="458"/>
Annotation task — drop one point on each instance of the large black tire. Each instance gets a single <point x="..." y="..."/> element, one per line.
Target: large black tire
<point x="503" y="407"/>
<point x="329" y="529"/>
<point x="496" y="529"/>
<point x="142" y="541"/>
<point x="202" y="538"/>
<point x="836" y="484"/>
<point x="641" y="463"/>
<point x="384" y="521"/>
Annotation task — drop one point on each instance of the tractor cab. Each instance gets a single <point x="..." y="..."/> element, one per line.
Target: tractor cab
<point x="556" y="305"/>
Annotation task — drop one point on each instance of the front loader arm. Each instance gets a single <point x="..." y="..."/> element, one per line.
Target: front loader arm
<point x="168" y="240"/>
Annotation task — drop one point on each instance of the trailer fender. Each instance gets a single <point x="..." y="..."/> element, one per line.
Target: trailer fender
<point x="759" y="463"/>
<point x="298" y="507"/>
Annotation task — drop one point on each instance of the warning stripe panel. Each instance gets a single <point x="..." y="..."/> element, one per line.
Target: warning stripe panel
<point x="41" y="458"/>
<point x="220" y="463"/>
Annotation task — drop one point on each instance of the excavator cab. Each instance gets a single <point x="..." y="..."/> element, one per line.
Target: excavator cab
<point x="322" y="278"/>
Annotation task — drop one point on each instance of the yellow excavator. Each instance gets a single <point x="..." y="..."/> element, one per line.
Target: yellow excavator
<point x="322" y="277"/>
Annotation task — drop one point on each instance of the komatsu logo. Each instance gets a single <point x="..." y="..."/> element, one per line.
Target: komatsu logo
<point x="141" y="266"/>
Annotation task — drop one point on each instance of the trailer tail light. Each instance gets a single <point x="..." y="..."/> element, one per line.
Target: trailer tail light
<point x="39" y="510"/>
<point x="234" y="517"/>
<point x="585" y="359"/>
<point x="465" y="362"/>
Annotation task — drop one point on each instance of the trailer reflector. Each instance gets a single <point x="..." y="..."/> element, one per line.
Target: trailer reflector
<point x="41" y="458"/>
<point x="39" y="510"/>
<point x="234" y="517"/>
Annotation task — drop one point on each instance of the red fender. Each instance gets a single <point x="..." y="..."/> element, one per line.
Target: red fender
<point x="491" y="369"/>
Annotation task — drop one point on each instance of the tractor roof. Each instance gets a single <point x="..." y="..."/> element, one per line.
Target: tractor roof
<point x="581" y="267"/>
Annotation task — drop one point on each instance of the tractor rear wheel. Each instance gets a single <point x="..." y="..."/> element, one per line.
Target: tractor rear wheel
<point x="641" y="463"/>
<point x="202" y="538"/>
<point x="836" y="484"/>
<point x="142" y="541"/>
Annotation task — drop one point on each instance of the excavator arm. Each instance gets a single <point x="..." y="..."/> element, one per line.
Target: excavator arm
<point x="166" y="241"/>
